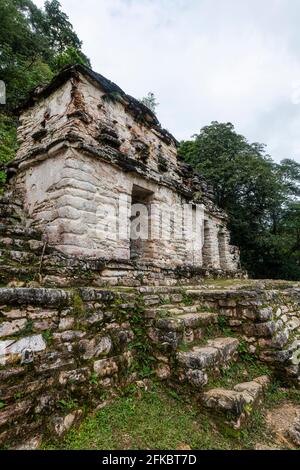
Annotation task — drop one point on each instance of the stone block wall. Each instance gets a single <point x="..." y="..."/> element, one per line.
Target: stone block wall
<point x="27" y="258"/>
<point x="65" y="351"/>
<point x="267" y="319"/>
<point x="76" y="203"/>
<point x="60" y="350"/>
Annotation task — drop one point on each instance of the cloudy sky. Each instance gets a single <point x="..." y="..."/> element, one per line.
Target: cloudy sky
<point x="225" y="60"/>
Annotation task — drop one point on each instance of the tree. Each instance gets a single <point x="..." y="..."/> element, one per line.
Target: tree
<point x="8" y="142"/>
<point x="63" y="40"/>
<point x="150" y="102"/>
<point x="34" y="44"/>
<point x="253" y="189"/>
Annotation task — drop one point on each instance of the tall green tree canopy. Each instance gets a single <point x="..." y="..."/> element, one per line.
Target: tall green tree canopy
<point x="259" y="195"/>
<point x="34" y="43"/>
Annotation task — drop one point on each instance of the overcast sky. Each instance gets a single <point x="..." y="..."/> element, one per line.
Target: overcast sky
<point x="224" y="60"/>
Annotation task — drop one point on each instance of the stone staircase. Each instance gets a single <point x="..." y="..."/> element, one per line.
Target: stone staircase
<point x="192" y="353"/>
<point x="62" y="348"/>
<point x="21" y="247"/>
<point x="236" y="405"/>
<point x="194" y="333"/>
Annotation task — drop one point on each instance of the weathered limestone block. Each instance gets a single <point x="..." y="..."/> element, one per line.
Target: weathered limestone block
<point x="76" y="376"/>
<point x="172" y="324"/>
<point x="122" y="336"/>
<point x="227" y="303"/>
<point x="226" y="346"/>
<point x="217" y="352"/>
<point x="267" y="329"/>
<point x="95" y="318"/>
<point x="23" y="349"/>
<point x="106" y="367"/>
<point x="25" y="388"/>
<point x="46" y="402"/>
<point x="196" y="377"/>
<point x="228" y="312"/>
<point x="69" y="335"/>
<point x="163" y="371"/>
<point x="225" y="400"/>
<point x="96" y="347"/>
<point x="11" y="373"/>
<point x="40" y="296"/>
<point x="265" y="314"/>
<point x="38" y="314"/>
<point x="12" y="327"/>
<point x="44" y="325"/>
<point x="13" y="412"/>
<point x="211" y="254"/>
<point x="95" y="295"/>
<point x="294" y="432"/>
<point x="55" y="360"/>
<point x="251" y="390"/>
<point x="30" y="444"/>
<point x="236" y="404"/>
<point x="198" y="358"/>
<point x="66" y="323"/>
<point x="62" y="424"/>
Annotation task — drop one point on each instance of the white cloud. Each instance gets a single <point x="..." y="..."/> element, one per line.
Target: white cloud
<point x="226" y="60"/>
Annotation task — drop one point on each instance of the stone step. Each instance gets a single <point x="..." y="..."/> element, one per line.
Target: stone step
<point x="8" y="211"/>
<point x="183" y="308"/>
<point x="17" y="275"/>
<point x="150" y="290"/>
<point x="215" y="353"/>
<point x="187" y="320"/>
<point x="21" y="244"/>
<point x="237" y="404"/>
<point x="19" y="256"/>
<point x="18" y="230"/>
<point x="173" y="310"/>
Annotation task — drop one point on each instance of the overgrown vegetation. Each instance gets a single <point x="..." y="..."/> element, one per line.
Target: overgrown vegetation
<point x="260" y="196"/>
<point x="239" y="372"/>
<point x="150" y="101"/>
<point x="143" y="359"/>
<point x="160" y="419"/>
<point x="8" y="142"/>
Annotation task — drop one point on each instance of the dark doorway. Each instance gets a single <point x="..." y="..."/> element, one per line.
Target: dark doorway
<point x="140" y="232"/>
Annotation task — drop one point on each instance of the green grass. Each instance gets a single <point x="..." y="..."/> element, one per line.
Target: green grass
<point x="239" y="372"/>
<point x="156" y="419"/>
<point x="277" y="394"/>
<point x="219" y="283"/>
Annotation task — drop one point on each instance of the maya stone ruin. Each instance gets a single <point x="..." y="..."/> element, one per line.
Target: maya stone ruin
<point x="87" y="148"/>
<point x="107" y="239"/>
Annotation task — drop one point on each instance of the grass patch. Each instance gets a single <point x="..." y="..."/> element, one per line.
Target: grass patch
<point x="277" y="394"/>
<point x="187" y="299"/>
<point x="156" y="419"/>
<point x="219" y="283"/>
<point x="238" y="373"/>
<point x="203" y="308"/>
<point x="150" y="420"/>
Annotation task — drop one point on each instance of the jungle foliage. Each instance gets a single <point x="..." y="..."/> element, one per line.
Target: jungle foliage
<point x="34" y="45"/>
<point x="260" y="196"/>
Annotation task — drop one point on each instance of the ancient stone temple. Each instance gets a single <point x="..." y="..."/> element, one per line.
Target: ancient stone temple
<point x="94" y="164"/>
<point x="114" y="261"/>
